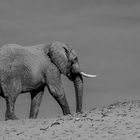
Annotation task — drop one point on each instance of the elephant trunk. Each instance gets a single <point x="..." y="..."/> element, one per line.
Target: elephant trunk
<point x="77" y="79"/>
<point x="78" y="85"/>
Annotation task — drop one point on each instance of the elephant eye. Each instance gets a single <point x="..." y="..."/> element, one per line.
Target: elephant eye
<point x="74" y="60"/>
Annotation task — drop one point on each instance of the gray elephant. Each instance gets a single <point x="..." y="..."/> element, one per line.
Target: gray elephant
<point x="32" y="68"/>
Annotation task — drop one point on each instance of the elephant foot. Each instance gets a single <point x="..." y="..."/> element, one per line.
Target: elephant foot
<point x="11" y="117"/>
<point x="32" y="117"/>
<point x="33" y="114"/>
<point x="67" y="113"/>
<point x="79" y="112"/>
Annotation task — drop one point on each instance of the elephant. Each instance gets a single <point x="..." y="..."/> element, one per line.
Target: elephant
<point x="32" y="68"/>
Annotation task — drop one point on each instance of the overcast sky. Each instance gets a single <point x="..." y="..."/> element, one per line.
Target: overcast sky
<point x="105" y="34"/>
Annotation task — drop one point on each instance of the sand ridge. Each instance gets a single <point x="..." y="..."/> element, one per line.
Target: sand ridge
<point x="118" y="121"/>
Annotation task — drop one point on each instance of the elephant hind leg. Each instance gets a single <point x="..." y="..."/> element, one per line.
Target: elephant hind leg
<point x="10" y="105"/>
<point x="36" y="99"/>
<point x="58" y="93"/>
<point x="10" y="94"/>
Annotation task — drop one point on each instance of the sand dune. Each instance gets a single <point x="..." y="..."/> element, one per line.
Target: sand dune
<point x="118" y="121"/>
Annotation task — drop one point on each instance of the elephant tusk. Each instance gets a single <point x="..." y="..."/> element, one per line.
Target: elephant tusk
<point x="88" y="75"/>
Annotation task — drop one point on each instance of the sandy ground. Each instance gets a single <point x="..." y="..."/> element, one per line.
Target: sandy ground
<point x="118" y="121"/>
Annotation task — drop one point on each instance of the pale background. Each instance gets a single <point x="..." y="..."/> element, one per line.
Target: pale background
<point x="104" y="33"/>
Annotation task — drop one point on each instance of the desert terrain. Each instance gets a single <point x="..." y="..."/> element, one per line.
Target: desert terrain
<point x="118" y="121"/>
<point x="106" y="36"/>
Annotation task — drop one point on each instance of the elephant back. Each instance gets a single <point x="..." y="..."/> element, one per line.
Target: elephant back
<point x="13" y="56"/>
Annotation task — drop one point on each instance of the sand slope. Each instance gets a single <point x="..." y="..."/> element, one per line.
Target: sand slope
<point x="119" y="121"/>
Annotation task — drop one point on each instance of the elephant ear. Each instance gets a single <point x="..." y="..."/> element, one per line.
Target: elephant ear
<point x="59" y="55"/>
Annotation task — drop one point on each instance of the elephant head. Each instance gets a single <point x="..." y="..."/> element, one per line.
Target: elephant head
<point x="66" y="60"/>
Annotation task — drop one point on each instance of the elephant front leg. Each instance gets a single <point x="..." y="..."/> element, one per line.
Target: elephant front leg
<point x="59" y="95"/>
<point x="10" y="105"/>
<point x="54" y="84"/>
<point x="35" y="103"/>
